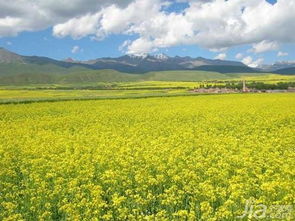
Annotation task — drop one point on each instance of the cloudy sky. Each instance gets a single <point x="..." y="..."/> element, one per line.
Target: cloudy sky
<point x="252" y="31"/>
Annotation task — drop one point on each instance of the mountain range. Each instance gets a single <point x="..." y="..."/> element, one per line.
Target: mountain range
<point x="132" y="63"/>
<point x="147" y="63"/>
<point x="161" y="62"/>
<point x="35" y="69"/>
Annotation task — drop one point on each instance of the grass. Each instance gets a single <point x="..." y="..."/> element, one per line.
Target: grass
<point x="96" y="90"/>
<point x="55" y="75"/>
<point x="112" y="84"/>
<point x="30" y="96"/>
<point x="184" y="76"/>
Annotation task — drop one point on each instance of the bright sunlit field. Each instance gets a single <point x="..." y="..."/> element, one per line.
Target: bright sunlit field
<point x="174" y="158"/>
<point x="35" y="92"/>
<point x="7" y="96"/>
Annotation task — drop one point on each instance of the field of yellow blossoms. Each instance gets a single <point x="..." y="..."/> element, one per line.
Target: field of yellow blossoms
<point x="174" y="158"/>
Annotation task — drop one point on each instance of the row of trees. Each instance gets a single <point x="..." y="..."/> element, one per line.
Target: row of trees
<point x="252" y="85"/>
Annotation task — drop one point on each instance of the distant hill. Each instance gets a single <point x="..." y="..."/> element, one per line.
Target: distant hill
<point x="49" y="68"/>
<point x="183" y="76"/>
<point x="20" y="70"/>
<point x="286" y="71"/>
<point x="227" y="69"/>
<point x="75" y="77"/>
<point x="282" y="67"/>
<point x="161" y="62"/>
<point x="278" y="66"/>
<point x="127" y="63"/>
<point x="89" y="77"/>
<point x="9" y="57"/>
<point x="11" y="63"/>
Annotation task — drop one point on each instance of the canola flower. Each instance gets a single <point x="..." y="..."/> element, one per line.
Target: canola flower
<point x="181" y="158"/>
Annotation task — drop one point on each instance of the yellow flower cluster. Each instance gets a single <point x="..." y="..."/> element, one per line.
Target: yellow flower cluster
<point x="181" y="158"/>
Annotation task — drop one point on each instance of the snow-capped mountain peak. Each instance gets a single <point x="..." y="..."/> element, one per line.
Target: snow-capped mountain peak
<point x="161" y="56"/>
<point x="142" y="56"/>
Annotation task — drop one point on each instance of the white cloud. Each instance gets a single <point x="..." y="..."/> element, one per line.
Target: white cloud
<point x="257" y="62"/>
<point x="218" y="49"/>
<point x="140" y="46"/>
<point x="110" y="20"/>
<point x="221" y="56"/>
<point x="239" y="56"/>
<point x="247" y="60"/>
<point x="123" y="46"/>
<point x="76" y="49"/>
<point x="264" y="46"/>
<point x="214" y="24"/>
<point x="252" y="63"/>
<point x="78" y="27"/>
<point x="282" y="54"/>
<point x="31" y="15"/>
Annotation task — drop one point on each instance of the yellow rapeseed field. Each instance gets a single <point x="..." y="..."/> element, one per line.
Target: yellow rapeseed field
<point x="177" y="158"/>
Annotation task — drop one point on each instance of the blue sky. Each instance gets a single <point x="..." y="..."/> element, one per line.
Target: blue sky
<point x="42" y="42"/>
